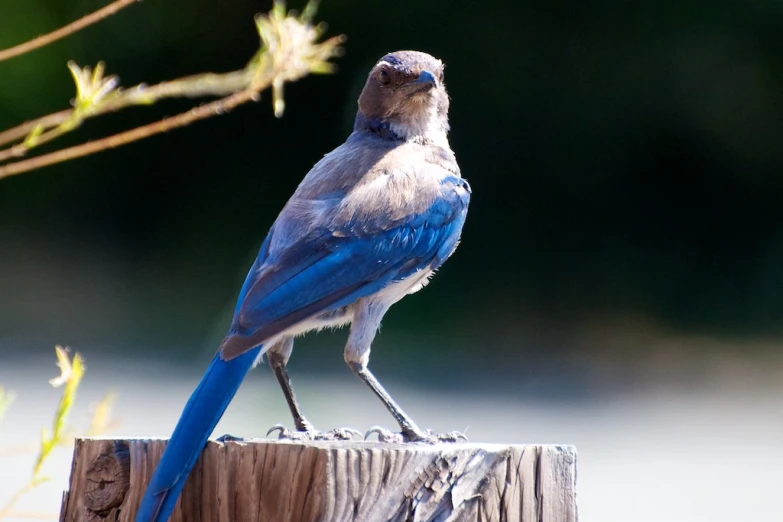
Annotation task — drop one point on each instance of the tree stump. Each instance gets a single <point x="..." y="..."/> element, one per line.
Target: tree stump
<point x="342" y="481"/>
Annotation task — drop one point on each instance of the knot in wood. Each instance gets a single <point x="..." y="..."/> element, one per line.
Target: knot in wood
<point x="107" y="480"/>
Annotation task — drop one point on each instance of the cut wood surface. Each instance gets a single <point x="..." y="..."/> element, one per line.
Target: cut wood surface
<point x="346" y="481"/>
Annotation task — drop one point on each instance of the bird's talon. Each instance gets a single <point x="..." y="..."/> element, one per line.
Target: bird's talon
<point x="335" y="434"/>
<point x="385" y="435"/>
<point x="229" y="438"/>
<point x="313" y="434"/>
<point x="343" y="434"/>
<point x="278" y="427"/>
<point x="414" y="436"/>
<point x="374" y="429"/>
<point x="453" y="436"/>
<point x="292" y="435"/>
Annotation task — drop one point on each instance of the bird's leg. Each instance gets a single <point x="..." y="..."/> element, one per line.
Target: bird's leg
<point x="410" y="431"/>
<point x="278" y="358"/>
<point x="277" y="362"/>
<point x="366" y="320"/>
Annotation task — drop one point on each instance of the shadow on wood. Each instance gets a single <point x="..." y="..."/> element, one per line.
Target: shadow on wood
<point x="281" y="481"/>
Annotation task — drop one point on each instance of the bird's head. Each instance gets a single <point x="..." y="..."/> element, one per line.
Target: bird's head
<point x="405" y="96"/>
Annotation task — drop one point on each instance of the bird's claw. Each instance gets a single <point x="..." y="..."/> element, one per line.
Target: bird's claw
<point x="344" y="434"/>
<point x="278" y="427"/>
<point x="313" y="434"/>
<point x="428" y="436"/>
<point x="452" y="436"/>
<point x="385" y="435"/>
<point x="229" y="438"/>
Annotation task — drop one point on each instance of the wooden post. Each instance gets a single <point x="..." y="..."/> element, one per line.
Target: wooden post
<point x="280" y="481"/>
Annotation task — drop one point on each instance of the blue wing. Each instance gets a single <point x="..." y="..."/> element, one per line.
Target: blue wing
<point x="327" y="270"/>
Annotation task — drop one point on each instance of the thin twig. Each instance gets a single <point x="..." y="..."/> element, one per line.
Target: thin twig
<point x="180" y="120"/>
<point x="22" y="130"/>
<point x="20" y="150"/>
<point x="64" y="31"/>
<point x="208" y="84"/>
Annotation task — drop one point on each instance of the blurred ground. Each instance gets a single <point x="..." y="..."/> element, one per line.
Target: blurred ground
<point x="707" y="451"/>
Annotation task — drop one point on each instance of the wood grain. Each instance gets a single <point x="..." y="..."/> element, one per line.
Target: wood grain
<point x="279" y="481"/>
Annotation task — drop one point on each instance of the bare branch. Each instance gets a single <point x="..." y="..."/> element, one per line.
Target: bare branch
<point x="180" y="120"/>
<point x="64" y="31"/>
<point x="197" y="85"/>
<point x="20" y="131"/>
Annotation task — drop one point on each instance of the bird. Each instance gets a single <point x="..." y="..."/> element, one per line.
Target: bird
<point x="369" y="224"/>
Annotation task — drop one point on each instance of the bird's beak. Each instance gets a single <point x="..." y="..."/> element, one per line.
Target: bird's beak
<point x="425" y="81"/>
<point x="426" y="77"/>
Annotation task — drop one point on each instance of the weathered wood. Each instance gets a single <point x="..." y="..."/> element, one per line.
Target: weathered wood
<point x="279" y="481"/>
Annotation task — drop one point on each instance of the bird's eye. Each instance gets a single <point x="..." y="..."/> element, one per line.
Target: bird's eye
<point x="384" y="77"/>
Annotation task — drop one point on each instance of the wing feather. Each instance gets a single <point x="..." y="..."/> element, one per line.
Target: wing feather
<point x="327" y="271"/>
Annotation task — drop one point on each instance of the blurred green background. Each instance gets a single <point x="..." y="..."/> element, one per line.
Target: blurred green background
<point x="625" y="233"/>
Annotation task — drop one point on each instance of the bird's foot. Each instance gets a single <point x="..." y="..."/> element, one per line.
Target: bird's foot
<point x="310" y="433"/>
<point x="229" y="438"/>
<point x="415" y="435"/>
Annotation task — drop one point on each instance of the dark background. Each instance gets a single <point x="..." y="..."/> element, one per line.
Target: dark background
<point x="624" y="159"/>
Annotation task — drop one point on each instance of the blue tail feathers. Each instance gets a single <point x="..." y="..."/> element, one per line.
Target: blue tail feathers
<point x="198" y="420"/>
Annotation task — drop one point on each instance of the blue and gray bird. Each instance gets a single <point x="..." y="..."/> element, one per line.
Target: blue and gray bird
<point x="368" y="225"/>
